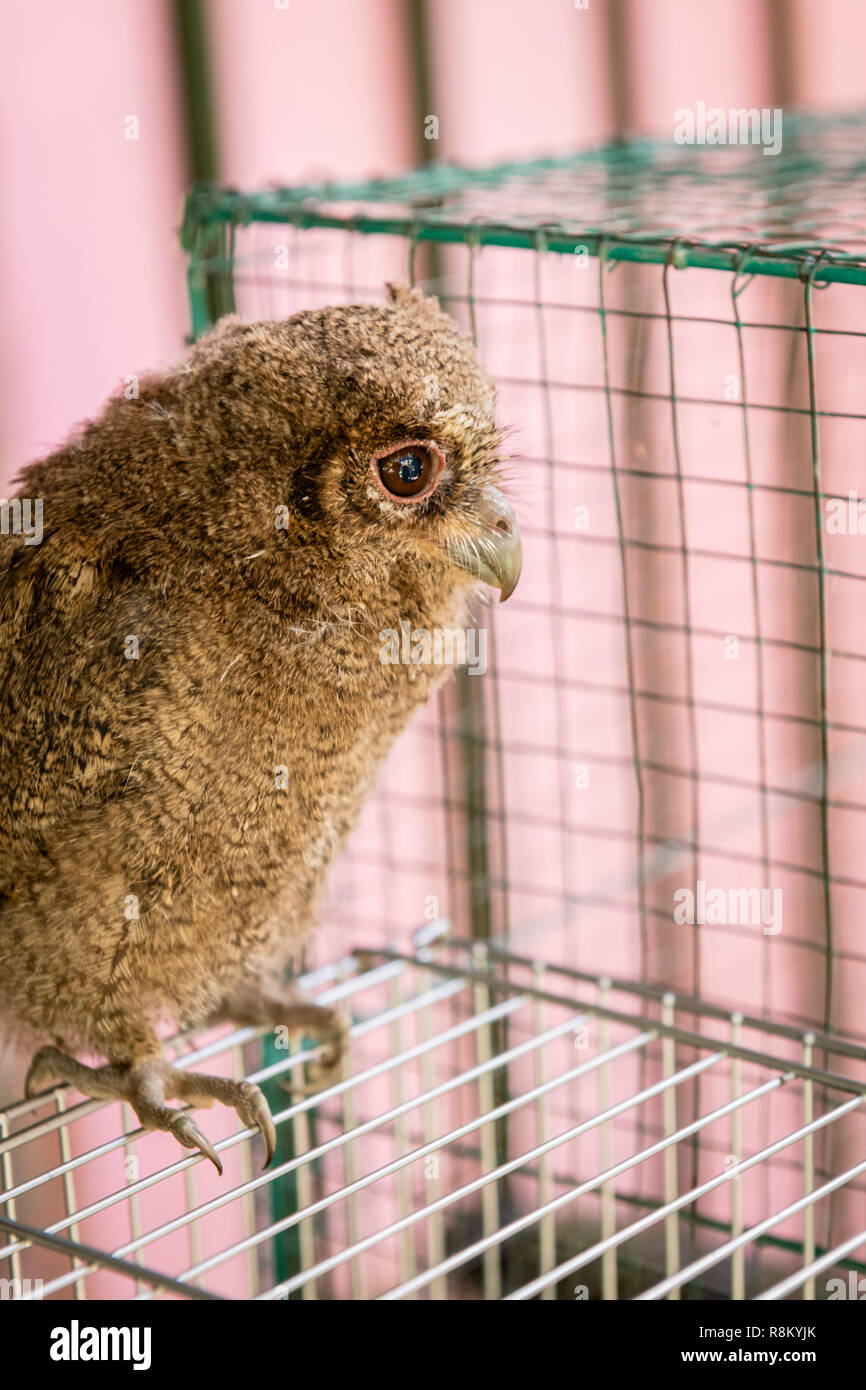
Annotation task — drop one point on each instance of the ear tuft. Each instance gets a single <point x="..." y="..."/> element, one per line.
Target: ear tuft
<point x="411" y="297"/>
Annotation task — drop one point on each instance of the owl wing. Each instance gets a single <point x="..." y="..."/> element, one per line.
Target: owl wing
<point x="63" y="678"/>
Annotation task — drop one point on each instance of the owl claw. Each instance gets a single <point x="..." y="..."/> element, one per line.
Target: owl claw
<point x="255" y="1112"/>
<point x="337" y="1038"/>
<point x="187" y="1132"/>
<point x="334" y="1029"/>
<point x="146" y="1086"/>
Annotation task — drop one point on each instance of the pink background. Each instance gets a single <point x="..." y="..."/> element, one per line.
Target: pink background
<point x="90" y="270"/>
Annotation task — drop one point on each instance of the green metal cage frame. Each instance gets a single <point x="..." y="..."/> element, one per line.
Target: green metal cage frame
<point x="426" y="205"/>
<point x="434" y="205"/>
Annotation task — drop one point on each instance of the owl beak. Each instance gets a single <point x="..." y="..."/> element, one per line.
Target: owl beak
<point x="496" y="556"/>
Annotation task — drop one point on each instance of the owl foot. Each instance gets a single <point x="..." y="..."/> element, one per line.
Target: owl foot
<point x="285" y="1008"/>
<point x="147" y="1085"/>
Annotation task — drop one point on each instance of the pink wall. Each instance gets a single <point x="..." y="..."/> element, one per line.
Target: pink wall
<point x="90" y="272"/>
<point x="91" y="278"/>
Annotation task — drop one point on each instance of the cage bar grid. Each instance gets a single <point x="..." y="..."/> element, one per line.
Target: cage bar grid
<point x="540" y="1234"/>
<point x="572" y="1094"/>
<point x="673" y="213"/>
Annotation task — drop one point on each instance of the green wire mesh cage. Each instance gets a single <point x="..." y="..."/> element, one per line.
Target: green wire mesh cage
<point x="679" y="335"/>
<point x="684" y="439"/>
<point x="634" y="1064"/>
<point x="664" y="773"/>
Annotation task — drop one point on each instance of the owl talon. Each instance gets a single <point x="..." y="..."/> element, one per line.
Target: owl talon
<point x="187" y="1132"/>
<point x="337" y="1034"/>
<point x="255" y="1112"/>
<point x="334" y="1028"/>
<point x="339" y="1042"/>
<point x="285" y="1008"/>
<point x="146" y="1086"/>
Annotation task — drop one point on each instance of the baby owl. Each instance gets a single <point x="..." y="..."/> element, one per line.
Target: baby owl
<point x="192" y="701"/>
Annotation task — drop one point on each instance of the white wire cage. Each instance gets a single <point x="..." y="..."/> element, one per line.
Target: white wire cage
<point x="502" y="1129"/>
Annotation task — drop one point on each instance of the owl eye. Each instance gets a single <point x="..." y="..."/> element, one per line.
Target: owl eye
<point x="409" y="472"/>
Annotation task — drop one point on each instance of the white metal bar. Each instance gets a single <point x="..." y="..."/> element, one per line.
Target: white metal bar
<point x="507" y="1006"/>
<point x="189" y="1059"/>
<point x="500" y="1172"/>
<point x="707" y="1261"/>
<point x="808" y="1168"/>
<point x="609" y="1282"/>
<point x="351" y="1169"/>
<point x="73" y="1250"/>
<point x="738" y="1268"/>
<point x="547" y="1229"/>
<point x="13" y="1252"/>
<point x="826" y="1261"/>
<point x="306" y="1237"/>
<point x="487" y="1136"/>
<point x="669" y="1103"/>
<point x="592" y="1184"/>
<point x="548" y="1095"/>
<point x="401" y="1143"/>
<point x="264" y="1074"/>
<point x="430" y="1117"/>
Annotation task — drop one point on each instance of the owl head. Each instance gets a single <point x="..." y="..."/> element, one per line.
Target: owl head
<point x="353" y="441"/>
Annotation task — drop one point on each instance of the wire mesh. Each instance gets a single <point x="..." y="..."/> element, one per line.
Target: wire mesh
<point x="680" y="697"/>
<point x="404" y="1192"/>
<point x="661" y="778"/>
